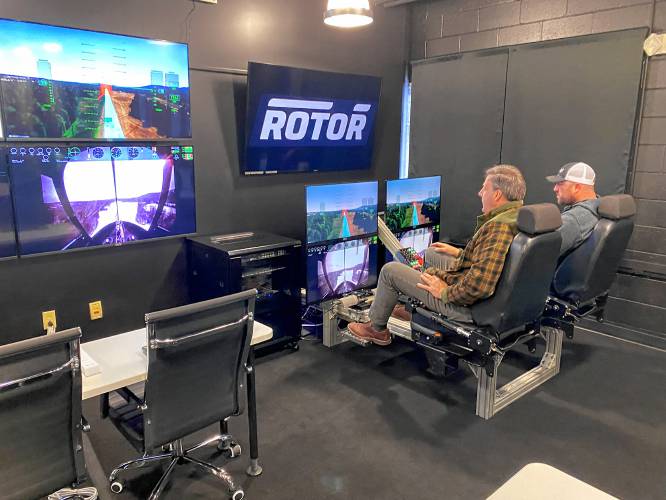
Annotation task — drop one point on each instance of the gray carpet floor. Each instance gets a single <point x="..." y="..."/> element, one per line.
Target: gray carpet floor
<point x="368" y="423"/>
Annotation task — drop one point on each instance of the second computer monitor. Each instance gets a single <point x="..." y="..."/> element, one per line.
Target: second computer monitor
<point x="412" y="203"/>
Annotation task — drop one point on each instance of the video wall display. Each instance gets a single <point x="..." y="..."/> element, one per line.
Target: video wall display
<point x="412" y="203"/>
<point x="338" y="211"/>
<point x="79" y="196"/>
<point x="65" y="83"/>
<point x="7" y="236"/>
<point x="301" y="120"/>
<point x="339" y="268"/>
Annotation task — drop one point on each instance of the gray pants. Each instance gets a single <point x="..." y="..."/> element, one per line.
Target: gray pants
<point x="397" y="279"/>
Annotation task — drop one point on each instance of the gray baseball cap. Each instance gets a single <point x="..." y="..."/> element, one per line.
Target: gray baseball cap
<point x="577" y="171"/>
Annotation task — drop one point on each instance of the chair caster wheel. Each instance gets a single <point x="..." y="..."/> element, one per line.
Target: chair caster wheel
<point x="117" y="486"/>
<point x="238" y="495"/>
<point x="230" y="449"/>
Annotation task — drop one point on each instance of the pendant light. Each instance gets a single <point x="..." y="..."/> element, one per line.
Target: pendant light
<point x="348" y="13"/>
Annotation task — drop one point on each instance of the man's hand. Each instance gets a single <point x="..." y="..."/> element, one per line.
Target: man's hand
<point x="447" y="249"/>
<point x="432" y="284"/>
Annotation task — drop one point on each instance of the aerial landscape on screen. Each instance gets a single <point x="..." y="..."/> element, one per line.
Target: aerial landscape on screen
<point x="67" y="83"/>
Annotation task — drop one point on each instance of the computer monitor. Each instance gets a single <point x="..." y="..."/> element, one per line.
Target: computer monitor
<point x="7" y="235"/>
<point x="341" y="211"/>
<point x="419" y="239"/>
<point x="65" y="83"/>
<point x="303" y="120"/>
<point x="334" y="270"/>
<point x="412" y="203"/>
<point x="69" y="197"/>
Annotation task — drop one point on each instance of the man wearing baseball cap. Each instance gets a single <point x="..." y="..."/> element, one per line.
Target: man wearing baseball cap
<point x="574" y="189"/>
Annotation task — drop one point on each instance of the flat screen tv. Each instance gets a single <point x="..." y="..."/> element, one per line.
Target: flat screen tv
<point x="301" y="120"/>
<point x="79" y="196"/>
<point x="65" y="83"/>
<point x="412" y="203"/>
<point x="334" y="270"/>
<point x="341" y="211"/>
<point x="7" y="235"/>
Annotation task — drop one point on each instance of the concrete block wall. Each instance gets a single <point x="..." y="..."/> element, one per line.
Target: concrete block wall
<point x="442" y="27"/>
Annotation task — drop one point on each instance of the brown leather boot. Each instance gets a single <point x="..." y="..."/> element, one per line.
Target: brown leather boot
<point x="365" y="331"/>
<point x="400" y="312"/>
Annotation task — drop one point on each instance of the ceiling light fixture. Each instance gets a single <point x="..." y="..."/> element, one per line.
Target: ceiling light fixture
<point x="348" y="13"/>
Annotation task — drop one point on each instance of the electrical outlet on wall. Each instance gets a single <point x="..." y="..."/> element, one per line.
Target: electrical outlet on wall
<point x="49" y="321"/>
<point x="96" y="311"/>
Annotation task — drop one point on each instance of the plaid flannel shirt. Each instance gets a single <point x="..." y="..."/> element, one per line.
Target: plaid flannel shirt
<point x="478" y="269"/>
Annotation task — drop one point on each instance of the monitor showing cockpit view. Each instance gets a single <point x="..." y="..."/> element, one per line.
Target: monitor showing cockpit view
<point x="69" y="197"/>
<point x="334" y="270"/>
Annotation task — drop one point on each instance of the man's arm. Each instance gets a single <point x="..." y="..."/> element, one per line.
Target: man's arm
<point x="487" y="263"/>
<point x="570" y="231"/>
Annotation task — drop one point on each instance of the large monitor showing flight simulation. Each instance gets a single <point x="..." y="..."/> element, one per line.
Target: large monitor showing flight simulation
<point x="340" y="211"/>
<point x="65" y="83"/>
<point x="412" y="203"/>
<point x="302" y="120"/>
<point x="7" y="236"/>
<point x="68" y="197"/>
<point x="339" y="268"/>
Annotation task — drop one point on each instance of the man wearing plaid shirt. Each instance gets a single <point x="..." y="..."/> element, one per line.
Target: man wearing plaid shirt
<point x="475" y="272"/>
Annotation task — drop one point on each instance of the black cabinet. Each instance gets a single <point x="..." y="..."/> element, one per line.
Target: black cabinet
<point x="223" y="264"/>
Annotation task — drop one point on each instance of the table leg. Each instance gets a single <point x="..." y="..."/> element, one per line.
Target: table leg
<point x="254" y="469"/>
<point x="104" y="405"/>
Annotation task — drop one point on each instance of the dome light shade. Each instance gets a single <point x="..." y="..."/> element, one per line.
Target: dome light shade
<point x="348" y="13"/>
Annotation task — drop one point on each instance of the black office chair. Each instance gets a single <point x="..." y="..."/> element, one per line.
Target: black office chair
<point x="197" y="357"/>
<point x="584" y="276"/>
<point x="511" y="316"/>
<point x="40" y="416"/>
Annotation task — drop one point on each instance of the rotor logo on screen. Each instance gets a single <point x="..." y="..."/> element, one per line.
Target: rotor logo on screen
<point x="286" y="121"/>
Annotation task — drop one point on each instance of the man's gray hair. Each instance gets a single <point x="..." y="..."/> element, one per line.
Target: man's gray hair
<point x="509" y="180"/>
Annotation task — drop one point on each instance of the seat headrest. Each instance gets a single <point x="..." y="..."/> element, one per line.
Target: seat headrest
<point x="617" y="206"/>
<point x="539" y="218"/>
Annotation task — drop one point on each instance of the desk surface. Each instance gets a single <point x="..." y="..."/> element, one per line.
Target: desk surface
<point x="543" y="482"/>
<point x="123" y="363"/>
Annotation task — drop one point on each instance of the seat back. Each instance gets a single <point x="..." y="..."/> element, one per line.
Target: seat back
<point x="40" y="416"/>
<point x="589" y="270"/>
<point x="522" y="289"/>
<point x="196" y="365"/>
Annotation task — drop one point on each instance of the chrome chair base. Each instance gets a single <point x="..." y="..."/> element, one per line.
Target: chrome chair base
<point x="177" y="454"/>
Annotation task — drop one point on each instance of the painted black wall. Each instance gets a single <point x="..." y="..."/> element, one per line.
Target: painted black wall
<point x="136" y="279"/>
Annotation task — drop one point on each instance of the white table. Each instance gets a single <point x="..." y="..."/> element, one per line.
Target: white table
<point x="123" y="363"/>
<point x="543" y="482"/>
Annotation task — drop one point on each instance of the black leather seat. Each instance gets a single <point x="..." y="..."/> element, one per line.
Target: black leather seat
<point x="510" y="316"/>
<point x="584" y="276"/>
<point x="197" y="366"/>
<point x="40" y="416"/>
